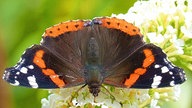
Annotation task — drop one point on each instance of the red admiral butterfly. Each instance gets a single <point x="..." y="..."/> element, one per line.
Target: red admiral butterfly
<point x="102" y="51"/>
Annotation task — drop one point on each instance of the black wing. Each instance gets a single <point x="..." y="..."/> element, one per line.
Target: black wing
<point x="40" y="68"/>
<point x="147" y="67"/>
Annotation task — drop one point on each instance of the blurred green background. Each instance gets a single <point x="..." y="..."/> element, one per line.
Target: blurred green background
<point x="22" y="22"/>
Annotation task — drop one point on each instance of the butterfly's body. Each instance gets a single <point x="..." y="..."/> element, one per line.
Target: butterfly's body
<point x="94" y="74"/>
<point x="102" y="51"/>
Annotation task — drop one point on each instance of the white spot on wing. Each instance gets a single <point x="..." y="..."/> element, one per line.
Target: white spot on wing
<point x="171" y="73"/>
<point x="31" y="67"/>
<point x="172" y="83"/>
<point x="16" y="83"/>
<point x="156" y="81"/>
<point x="157" y="66"/>
<point x="165" y="60"/>
<point x="24" y="70"/>
<point x="21" y="61"/>
<point x="17" y="73"/>
<point x="32" y="81"/>
<point x="185" y="77"/>
<point x="164" y="69"/>
<point x="4" y="76"/>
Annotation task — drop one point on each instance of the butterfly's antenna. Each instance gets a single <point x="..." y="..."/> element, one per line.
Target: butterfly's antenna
<point x="111" y="96"/>
<point x="81" y="88"/>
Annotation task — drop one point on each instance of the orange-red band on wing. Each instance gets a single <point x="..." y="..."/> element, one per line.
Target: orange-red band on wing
<point x="132" y="79"/>
<point x="149" y="59"/>
<point x="121" y="25"/>
<point x="61" y="28"/>
<point x="114" y="23"/>
<point x="140" y="71"/>
<point x="48" y="72"/>
<point x="54" y="77"/>
<point x="38" y="60"/>
<point x="57" y="80"/>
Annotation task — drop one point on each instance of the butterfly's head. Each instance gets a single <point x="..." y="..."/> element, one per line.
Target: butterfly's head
<point x="94" y="88"/>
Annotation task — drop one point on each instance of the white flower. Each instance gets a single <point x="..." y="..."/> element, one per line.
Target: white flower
<point x="177" y="92"/>
<point x="187" y="31"/>
<point x="155" y="38"/>
<point x="154" y="104"/>
<point x="45" y="103"/>
<point x="156" y="95"/>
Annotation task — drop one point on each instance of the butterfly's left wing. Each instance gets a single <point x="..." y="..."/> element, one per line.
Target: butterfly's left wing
<point x="55" y="63"/>
<point x="147" y="67"/>
<point x="40" y="68"/>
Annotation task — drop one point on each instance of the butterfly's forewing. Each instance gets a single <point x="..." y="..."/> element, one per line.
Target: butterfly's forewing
<point x="153" y="70"/>
<point x="160" y="73"/>
<point x="68" y="42"/>
<point x="39" y="68"/>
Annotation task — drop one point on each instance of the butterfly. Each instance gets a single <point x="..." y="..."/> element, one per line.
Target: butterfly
<point x="91" y="53"/>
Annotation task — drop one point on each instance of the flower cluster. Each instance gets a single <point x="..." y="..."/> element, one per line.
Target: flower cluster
<point x="166" y="23"/>
<point x="124" y="98"/>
